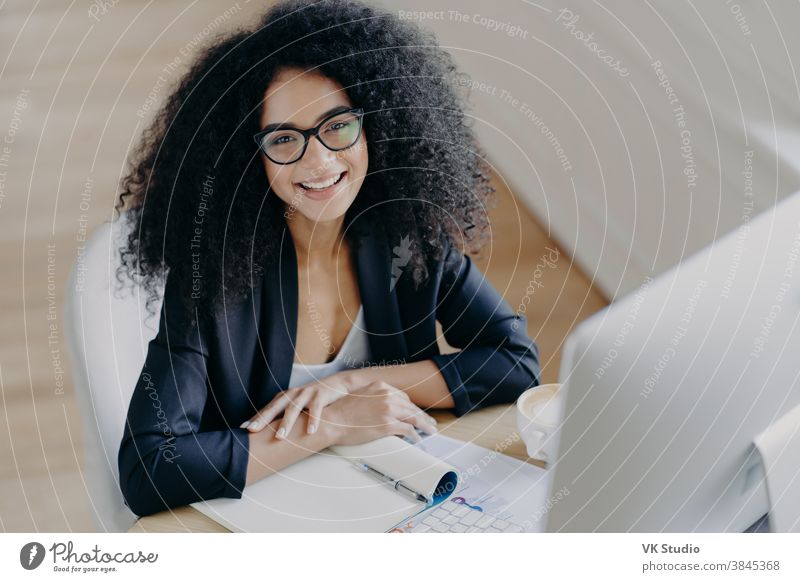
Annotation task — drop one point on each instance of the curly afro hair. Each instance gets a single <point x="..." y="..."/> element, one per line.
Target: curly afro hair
<point x="427" y="178"/>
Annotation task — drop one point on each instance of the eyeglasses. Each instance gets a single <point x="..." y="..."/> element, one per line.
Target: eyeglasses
<point x="336" y="132"/>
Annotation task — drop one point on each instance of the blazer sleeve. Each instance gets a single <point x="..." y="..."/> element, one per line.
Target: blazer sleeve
<point x="165" y="460"/>
<point x="497" y="360"/>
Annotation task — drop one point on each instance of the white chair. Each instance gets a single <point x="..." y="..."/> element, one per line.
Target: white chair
<point x="107" y="332"/>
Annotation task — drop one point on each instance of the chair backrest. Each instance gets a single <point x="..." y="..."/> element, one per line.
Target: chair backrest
<point x="107" y="331"/>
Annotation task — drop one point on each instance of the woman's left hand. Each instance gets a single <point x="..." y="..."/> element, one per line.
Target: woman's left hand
<point x="314" y="396"/>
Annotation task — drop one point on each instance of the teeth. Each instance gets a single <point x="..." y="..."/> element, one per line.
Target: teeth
<point x="321" y="185"/>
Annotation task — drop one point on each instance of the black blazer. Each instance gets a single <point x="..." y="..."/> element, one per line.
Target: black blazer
<point x="181" y="441"/>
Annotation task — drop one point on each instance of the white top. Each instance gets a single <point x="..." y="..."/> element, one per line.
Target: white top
<point x="354" y="352"/>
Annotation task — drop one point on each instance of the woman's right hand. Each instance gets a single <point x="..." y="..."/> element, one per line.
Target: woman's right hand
<point x="374" y="411"/>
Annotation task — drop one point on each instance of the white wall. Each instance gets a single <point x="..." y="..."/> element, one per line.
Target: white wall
<point x="622" y="202"/>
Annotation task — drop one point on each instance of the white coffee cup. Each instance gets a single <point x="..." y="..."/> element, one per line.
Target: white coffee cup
<point x="539" y="412"/>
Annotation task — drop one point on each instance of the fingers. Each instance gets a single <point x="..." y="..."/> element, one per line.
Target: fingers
<point x="400" y="406"/>
<point x="293" y="410"/>
<point x="314" y="413"/>
<point x="420" y="419"/>
<point x="268" y="413"/>
<point x="403" y="429"/>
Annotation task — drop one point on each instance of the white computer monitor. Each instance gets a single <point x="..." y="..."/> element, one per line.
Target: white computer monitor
<point x="666" y="389"/>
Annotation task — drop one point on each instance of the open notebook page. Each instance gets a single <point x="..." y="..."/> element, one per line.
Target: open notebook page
<point x="327" y="492"/>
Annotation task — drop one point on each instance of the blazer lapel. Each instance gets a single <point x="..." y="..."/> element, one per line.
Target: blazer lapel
<point x="381" y="310"/>
<point x="278" y="317"/>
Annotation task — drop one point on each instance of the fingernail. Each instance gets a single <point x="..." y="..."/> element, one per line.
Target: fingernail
<point x="312" y="428"/>
<point x="245" y="424"/>
<point x="281" y="432"/>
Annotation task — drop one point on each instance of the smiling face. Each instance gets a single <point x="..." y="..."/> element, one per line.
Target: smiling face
<point x="323" y="184"/>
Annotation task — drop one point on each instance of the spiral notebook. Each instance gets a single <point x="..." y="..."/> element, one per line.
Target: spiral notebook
<point x="357" y="488"/>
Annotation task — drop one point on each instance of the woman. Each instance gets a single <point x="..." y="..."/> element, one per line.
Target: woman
<point x="310" y="188"/>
